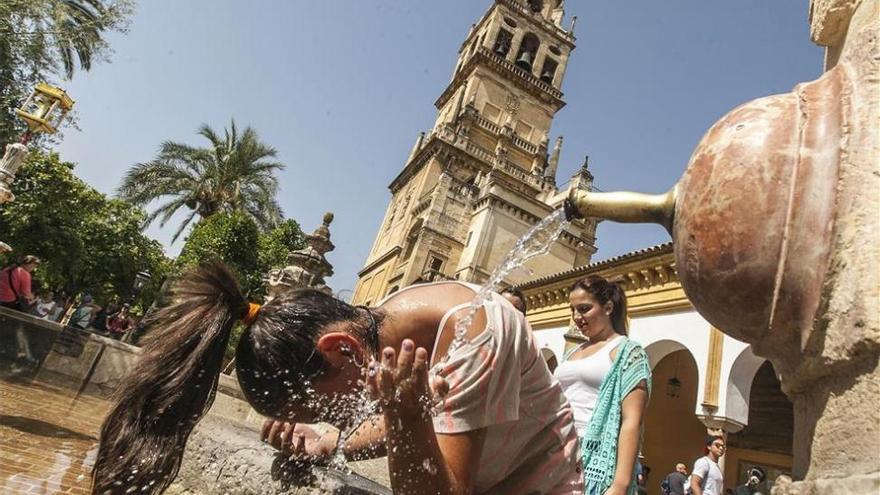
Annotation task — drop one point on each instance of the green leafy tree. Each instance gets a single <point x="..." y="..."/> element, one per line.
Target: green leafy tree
<point x="228" y="237"/>
<point x="86" y="240"/>
<point x="235" y="239"/>
<point x="47" y="40"/>
<point x="236" y="173"/>
<point x="276" y="244"/>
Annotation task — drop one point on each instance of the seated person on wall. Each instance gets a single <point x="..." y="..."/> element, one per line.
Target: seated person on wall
<point x="85" y="313"/>
<point x="119" y="324"/>
<point x="308" y="357"/>
<point x="45" y="304"/>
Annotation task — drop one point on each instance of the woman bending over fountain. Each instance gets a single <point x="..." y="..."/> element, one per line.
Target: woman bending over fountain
<point x="607" y="380"/>
<point x="503" y="425"/>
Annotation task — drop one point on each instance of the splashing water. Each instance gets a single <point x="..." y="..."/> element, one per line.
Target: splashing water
<point x="363" y="407"/>
<point x="534" y="243"/>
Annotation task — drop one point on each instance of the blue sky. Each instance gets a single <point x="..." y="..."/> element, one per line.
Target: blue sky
<point x="342" y="88"/>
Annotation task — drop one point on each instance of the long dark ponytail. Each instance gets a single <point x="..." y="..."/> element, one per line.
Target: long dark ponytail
<point x="172" y="387"/>
<point x="603" y="291"/>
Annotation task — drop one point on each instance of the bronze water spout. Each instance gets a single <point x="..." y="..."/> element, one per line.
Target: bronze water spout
<point x="752" y="217"/>
<point x="622" y="206"/>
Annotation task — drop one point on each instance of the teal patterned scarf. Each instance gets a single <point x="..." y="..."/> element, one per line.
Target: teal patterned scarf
<point x="599" y="444"/>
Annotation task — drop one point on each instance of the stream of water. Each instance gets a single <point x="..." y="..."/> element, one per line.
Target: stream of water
<point x="536" y="242"/>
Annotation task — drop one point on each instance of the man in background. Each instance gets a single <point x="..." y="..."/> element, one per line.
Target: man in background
<point x="674" y="482"/>
<point x="706" y="478"/>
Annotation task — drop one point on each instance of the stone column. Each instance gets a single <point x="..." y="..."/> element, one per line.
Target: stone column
<point x="514" y="46"/>
<point x="835" y="385"/>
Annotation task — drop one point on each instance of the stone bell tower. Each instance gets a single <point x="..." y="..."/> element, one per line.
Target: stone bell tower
<point x="482" y="176"/>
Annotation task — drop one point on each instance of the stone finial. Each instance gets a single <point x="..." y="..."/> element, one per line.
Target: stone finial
<point x="412" y="154"/>
<point x="459" y="102"/>
<point x="574" y="20"/>
<point x="306" y="267"/>
<point x="553" y="162"/>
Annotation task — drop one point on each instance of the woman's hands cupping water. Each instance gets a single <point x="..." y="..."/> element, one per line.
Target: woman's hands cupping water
<point x="400" y="381"/>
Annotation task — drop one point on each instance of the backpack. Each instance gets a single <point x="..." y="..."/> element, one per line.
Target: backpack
<point x="664" y="486"/>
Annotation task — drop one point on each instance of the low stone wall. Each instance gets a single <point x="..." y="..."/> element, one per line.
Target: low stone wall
<point x="67" y="357"/>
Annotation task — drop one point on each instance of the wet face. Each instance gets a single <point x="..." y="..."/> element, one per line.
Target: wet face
<point x="591" y="318"/>
<point x="336" y="394"/>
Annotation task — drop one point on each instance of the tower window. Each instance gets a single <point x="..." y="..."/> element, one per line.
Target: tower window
<point x="527" y="51"/>
<point x="548" y="72"/>
<point x="503" y="42"/>
<point x="536" y="5"/>
<point x="436" y="263"/>
<point x="510" y="22"/>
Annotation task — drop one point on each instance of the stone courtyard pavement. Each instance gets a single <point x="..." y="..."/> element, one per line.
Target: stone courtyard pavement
<point x="48" y="441"/>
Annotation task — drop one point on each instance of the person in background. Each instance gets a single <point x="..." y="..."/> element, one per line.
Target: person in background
<point x="755" y="484"/>
<point x="15" y="284"/>
<point x="119" y="323"/>
<point x="84" y="313"/>
<point x="516" y="297"/>
<point x="607" y="381"/>
<point x="643" y="472"/>
<point x="60" y="307"/>
<point x="706" y="478"/>
<point x="45" y="305"/>
<point x="674" y="482"/>
<point x="99" y="322"/>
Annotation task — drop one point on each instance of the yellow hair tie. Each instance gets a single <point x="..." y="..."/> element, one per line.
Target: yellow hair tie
<point x="253" y="309"/>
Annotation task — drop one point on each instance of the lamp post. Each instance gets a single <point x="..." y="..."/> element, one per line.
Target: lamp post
<point x="140" y="281"/>
<point x="43" y="111"/>
<point x="673" y="385"/>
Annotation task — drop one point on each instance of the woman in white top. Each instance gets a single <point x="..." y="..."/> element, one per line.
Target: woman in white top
<point x="607" y="382"/>
<point x="503" y="426"/>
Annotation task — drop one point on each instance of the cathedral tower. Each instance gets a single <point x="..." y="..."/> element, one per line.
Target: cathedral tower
<point x="482" y="176"/>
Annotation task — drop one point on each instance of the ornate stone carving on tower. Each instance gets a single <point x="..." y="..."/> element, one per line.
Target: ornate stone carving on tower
<point x="482" y="177"/>
<point x="306" y="267"/>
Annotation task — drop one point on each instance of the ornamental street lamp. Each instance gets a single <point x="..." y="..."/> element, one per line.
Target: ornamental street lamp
<point x="141" y="279"/>
<point x="43" y="111"/>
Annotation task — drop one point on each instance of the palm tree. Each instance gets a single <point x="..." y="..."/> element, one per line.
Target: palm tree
<point x="236" y="173"/>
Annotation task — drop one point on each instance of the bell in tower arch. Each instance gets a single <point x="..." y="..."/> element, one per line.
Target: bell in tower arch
<point x="525" y="61"/>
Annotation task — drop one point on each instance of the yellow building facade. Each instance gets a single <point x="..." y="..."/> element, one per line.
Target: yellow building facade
<point x="483" y="175"/>
<point x="703" y="380"/>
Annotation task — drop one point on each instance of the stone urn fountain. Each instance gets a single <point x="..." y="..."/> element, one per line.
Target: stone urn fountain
<point x="775" y="228"/>
<point x="306" y="267"/>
